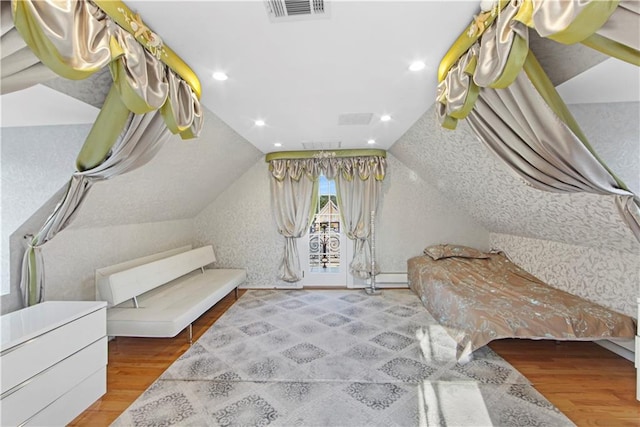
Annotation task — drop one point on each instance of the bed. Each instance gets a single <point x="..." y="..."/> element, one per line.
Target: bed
<point x="480" y="297"/>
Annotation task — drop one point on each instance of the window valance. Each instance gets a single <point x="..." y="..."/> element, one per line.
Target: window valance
<point x="348" y="163"/>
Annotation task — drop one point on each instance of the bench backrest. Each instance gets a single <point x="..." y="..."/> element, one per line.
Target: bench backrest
<point x="124" y="285"/>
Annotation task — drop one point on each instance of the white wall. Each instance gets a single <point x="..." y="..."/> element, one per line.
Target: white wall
<point x="72" y="257"/>
<point x="241" y="228"/>
<point x="180" y="181"/>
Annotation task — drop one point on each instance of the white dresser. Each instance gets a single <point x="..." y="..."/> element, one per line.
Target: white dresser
<point x="53" y="362"/>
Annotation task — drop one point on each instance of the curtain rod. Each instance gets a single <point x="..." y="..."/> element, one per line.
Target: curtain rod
<point x="280" y="155"/>
<point x="131" y="22"/>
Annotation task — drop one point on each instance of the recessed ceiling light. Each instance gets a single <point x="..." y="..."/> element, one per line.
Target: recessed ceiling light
<point x="259" y="122"/>
<point x="277" y="144"/>
<point x="220" y="76"/>
<point x="416" y="66"/>
<point x="371" y="141"/>
<point x="385" y="118"/>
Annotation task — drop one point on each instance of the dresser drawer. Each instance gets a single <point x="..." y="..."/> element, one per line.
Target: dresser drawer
<point x="20" y="404"/>
<point x="69" y="406"/>
<point x="34" y="356"/>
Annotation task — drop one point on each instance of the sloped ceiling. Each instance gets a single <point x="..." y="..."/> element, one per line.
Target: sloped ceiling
<point x="562" y="62"/>
<point x="467" y="173"/>
<point x="92" y="90"/>
<point x="183" y="178"/>
<point x="187" y="175"/>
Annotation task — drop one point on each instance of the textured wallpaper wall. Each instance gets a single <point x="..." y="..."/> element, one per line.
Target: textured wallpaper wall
<point x="135" y="214"/>
<point x="73" y="256"/>
<point x="604" y="276"/>
<point x="36" y="162"/>
<point x="614" y="132"/>
<point x="467" y="173"/>
<point x="413" y="215"/>
<point x="180" y="181"/>
<point x="242" y="230"/>
<point x="576" y="242"/>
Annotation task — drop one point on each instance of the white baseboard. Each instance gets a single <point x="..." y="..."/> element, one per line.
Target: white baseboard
<point x="624" y="348"/>
<point x="391" y="280"/>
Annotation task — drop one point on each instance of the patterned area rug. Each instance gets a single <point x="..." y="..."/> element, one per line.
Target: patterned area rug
<point x="336" y="358"/>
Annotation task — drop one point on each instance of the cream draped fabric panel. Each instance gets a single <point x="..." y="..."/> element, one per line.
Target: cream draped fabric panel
<point x="141" y="140"/>
<point x="294" y="196"/>
<point x="294" y="189"/>
<point x="75" y="39"/>
<point x="358" y="193"/>
<point x="516" y="124"/>
<point x="499" y="55"/>
<point x="148" y="101"/>
<point x="512" y="106"/>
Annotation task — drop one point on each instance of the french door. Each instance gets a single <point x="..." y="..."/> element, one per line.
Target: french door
<point x="323" y="250"/>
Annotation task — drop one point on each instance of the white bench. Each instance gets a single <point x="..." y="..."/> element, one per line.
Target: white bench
<point x="160" y="295"/>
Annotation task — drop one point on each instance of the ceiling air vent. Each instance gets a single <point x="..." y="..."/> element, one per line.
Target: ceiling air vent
<point x="354" y="119"/>
<point x="288" y="10"/>
<point x="321" y="145"/>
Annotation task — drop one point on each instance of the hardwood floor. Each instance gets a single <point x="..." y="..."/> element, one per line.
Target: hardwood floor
<point x="135" y="363"/>
<point x="591" y="385"/>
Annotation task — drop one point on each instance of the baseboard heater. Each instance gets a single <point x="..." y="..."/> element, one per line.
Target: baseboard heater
<point x="391" y="280"/>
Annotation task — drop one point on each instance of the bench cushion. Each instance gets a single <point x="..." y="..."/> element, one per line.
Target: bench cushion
<point x="168" y="309"/>
<point x="121" y="286"/>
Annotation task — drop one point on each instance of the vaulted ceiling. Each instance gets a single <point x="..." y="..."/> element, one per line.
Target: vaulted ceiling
<point x="301" y="75"/>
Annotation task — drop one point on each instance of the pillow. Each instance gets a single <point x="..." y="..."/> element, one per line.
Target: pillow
<point x="447" y="251"/>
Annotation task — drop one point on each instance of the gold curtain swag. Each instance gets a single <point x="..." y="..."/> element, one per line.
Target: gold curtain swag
<point x="77" y="38"/>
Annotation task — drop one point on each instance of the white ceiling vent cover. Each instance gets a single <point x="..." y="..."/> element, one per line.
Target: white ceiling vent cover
<point x="324" y="145"/>
<point x="354" y="119"/>
<point x="294" y="10"/>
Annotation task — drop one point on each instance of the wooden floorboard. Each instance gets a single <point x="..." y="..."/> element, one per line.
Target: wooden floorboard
<point x="135" y="363"/>
<point x="589" y="384"/>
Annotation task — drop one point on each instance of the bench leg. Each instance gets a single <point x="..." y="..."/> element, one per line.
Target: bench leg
<point x="236" y="292"/>
<point x="190" y="334"/>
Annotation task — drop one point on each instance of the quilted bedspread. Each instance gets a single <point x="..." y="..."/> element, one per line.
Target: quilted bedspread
<point x="480" y="300"/>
